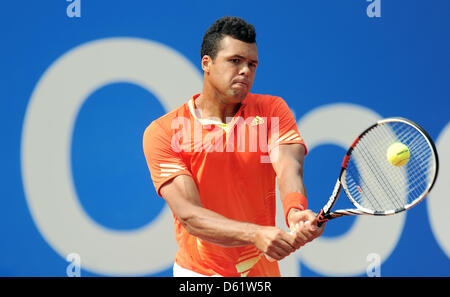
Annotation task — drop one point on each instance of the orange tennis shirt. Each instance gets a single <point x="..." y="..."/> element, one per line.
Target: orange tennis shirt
<point x="231" y="167"/>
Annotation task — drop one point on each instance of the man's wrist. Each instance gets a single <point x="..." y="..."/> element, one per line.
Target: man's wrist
<point x="253" y="233"/>
<point x="293" y="200"/>
<point x="292" y="211"/>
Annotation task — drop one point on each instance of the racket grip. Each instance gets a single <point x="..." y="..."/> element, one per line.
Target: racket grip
<point x="320" y="219"/>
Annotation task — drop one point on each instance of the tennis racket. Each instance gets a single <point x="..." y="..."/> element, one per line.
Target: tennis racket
<point x="376" y="186"/>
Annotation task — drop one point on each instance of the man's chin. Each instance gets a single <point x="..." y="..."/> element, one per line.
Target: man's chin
<point x="238" y="96"/>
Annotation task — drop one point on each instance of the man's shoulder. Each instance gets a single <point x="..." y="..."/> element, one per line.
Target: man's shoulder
<point x="165" y="121"/>
<point x="162" y="125"/>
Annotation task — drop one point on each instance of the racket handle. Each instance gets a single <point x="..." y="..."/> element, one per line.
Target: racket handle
<point x="320" y="219"/>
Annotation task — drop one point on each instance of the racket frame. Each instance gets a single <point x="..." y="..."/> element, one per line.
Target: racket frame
<point x="325" y="213"/>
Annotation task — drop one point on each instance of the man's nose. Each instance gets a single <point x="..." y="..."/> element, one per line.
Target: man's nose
<point x="245" y="70"/>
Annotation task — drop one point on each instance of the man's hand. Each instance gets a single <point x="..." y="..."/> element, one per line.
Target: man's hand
<point x="303" y="226"/>
<point x="275" y="243"/>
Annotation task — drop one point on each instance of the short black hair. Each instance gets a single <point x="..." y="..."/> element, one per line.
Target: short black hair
<point x="231" y="26"/>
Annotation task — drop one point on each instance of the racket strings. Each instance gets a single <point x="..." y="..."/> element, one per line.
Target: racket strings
<point x="420" y="167"/>
<point x="381" y="185"/>
<point x="356" y="189"/>
<point x="398" y="175"/>
<point x="376" y="184"/>
<point x="370" y="190"/>
<point x="419" y="148"/>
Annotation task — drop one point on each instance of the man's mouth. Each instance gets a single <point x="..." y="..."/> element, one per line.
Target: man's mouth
<point x="241" y="82"/>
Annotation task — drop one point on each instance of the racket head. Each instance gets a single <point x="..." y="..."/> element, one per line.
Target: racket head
<point x="377" y="187"/>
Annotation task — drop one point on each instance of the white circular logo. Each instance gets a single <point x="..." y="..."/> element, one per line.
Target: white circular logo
<point x="46" y="143"/>
<point x="438" y="202"/>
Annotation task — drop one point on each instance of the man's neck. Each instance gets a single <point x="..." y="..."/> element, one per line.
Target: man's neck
<point x="215" y="107"/>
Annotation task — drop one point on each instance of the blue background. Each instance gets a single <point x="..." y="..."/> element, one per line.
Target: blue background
<point x="311" y="53"/>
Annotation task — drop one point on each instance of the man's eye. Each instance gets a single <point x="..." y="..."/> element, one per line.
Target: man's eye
<point x="235" y="61"/>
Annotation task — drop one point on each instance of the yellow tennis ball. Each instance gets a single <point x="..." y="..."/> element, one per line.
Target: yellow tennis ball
<point x="398" y="154"/>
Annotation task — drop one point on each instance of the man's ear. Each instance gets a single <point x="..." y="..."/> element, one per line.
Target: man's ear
<point x="206" y="62"/>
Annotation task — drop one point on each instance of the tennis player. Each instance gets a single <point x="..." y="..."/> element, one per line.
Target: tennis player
<point x="215" y="161"/>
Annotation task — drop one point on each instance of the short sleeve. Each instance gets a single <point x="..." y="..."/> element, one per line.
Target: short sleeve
<point x="163" y="162"/>
<point x="283" y="127"/>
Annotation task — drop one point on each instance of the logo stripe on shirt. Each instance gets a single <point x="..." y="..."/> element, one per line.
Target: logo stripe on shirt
<point x="168" y="169"/>
<point x="291" y="135"/>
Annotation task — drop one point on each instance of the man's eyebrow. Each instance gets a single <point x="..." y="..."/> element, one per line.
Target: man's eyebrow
<point x="244" y="58"/>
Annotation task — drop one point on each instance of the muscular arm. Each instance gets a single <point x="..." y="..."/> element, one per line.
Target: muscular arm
<point x="288" y="165"/>
<point x="183" y="199"/>
<point x="182" y="196"/>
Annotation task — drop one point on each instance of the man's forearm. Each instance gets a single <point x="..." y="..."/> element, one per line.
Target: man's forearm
<point x="290" y="180"/>
<point x="213" y="227"/>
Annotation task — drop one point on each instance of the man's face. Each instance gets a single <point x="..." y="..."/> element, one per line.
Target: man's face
<point x="233" y="70"/>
